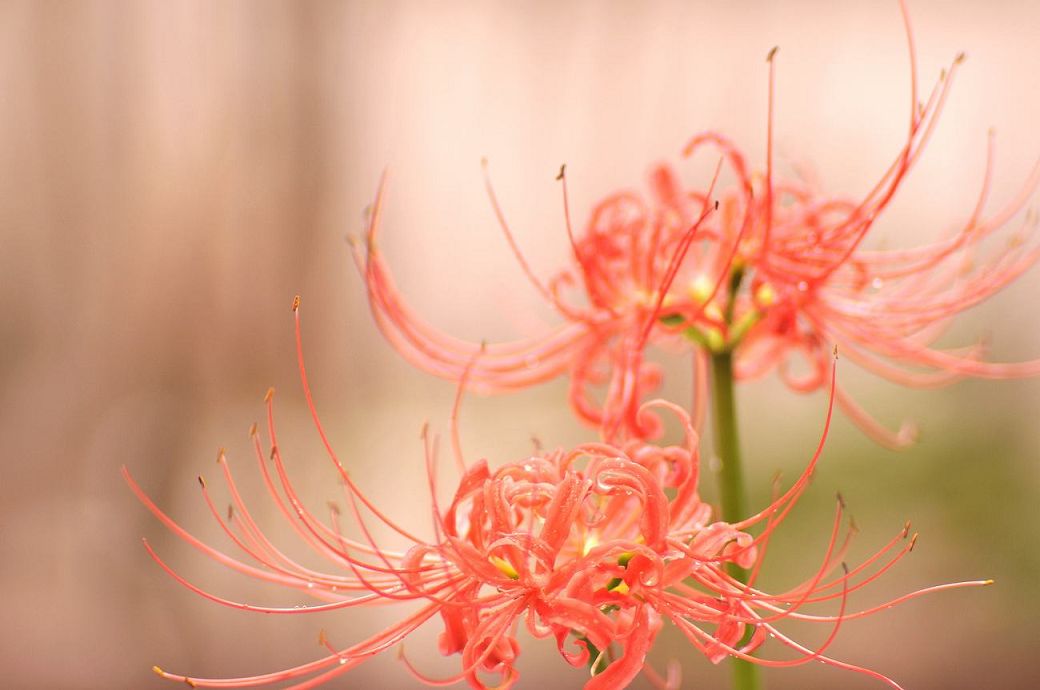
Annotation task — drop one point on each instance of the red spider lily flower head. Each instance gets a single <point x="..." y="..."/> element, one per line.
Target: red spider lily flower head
<point x="772" y="270"/>
<point x="594" y="547"/>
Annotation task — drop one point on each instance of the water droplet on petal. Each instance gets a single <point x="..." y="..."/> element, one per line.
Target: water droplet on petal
<point x="802" y="286"/>
<point x="877" y="283"/>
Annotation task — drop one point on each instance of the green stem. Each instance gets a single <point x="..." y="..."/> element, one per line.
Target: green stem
<point x="731" y="484"/>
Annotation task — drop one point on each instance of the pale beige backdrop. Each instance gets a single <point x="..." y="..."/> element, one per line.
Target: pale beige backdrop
<point x="171" y="173"/>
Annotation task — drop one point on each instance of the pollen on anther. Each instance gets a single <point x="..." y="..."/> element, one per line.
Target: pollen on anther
<point x="296" y="303"/>
<point x="202" y="481"/>
<point x="158" y="671"/>
<point x="913" y="541"/>
<point x="268" y="395"/>
<point x="772" y="53"/>
<point x="563" y="168"/>
<point x="252" y="430"/>
<point x="220" y="453"/>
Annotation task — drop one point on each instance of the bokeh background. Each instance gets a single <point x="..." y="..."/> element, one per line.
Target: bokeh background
<point x="173" y="173"/>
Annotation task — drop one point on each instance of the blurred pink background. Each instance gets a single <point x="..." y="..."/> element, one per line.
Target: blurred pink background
<point x="173" y="173"/>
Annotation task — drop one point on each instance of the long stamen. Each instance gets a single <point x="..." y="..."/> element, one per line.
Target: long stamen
<point x="769" y="153"/>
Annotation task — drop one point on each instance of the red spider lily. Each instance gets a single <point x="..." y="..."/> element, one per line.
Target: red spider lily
<point x="777" y="274"/>
<point x="593" y="546"/>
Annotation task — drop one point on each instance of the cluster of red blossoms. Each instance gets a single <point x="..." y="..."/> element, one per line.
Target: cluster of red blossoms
<point x="770" y="270"/>
<point x="596" y="546"/>
<point x="593" y="546"/>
